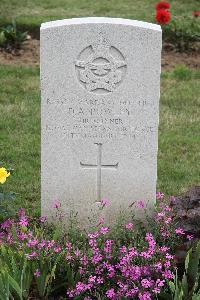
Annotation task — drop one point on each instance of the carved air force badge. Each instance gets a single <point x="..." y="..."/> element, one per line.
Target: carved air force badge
<point x="101" y="67"/>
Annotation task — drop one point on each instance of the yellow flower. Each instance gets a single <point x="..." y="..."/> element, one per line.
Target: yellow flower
<point x="3" y="175"/>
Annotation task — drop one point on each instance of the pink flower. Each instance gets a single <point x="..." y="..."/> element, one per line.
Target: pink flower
<point x="6" y="224"/>
<point x="42" y="244"/>
<point x="123" y="249"/>
<point x="132" y="252"/>
<point x="160" y="282"/>
<point x="92" y="279"/>
<point x="68" y="246"/>
<point x="57" y="249"/>
<point x="100" y="280"/>
<point x="43" y="219"/>
<point x="159" y="196"/>
<point x="56" y="204"/>
<point x="80" y="287"/>
<point x="149" y="236"/>
<point x="145" y="296"/>
<point x="22" y="236"/>
<point x="108" y="246"/>
<point x="167" y="264"/>
<point x="101" y="221"/>
<point x="93" y="243"/>
<point x="23" y="221"/>
<point x="21" y="212"/>
<point x="169" y="256"/>
<point x="110" y="294"/>
<point x="84" y="260"/>
<point x="104" y="230"/>
<point x="140" y="204"/>
<point x="165" y="233"/>
<point x="37" y="273"/>
<point x="179" y="231"/>
<point x="158" y="266"/>
<point x="167" y="274"/>
<point x="145" y="254"/>
<point x="167" y="208"/>
<point x="32" y="243"/>
<point x="129" y="226"/>
<point x="168" y="220"/>
<point x="164" y="249"/>
<point x="77" y="252"/>
<point x="156" y="290"/>
<point x="71" y="294"/>
<point x="93" y="235"/>
<point x="68" y="257"/>
<point x="190" y="237"/>
<point x="50" y="244"/>
<point x="146" y="283"/>
<point x="105" y="202"/>
<point x="31" y="255"/>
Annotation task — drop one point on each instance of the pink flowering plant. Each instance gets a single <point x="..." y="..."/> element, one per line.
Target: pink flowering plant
<point x="163" y="225"/>
<point x="128" y="260"/>
<point x="110" y="270"/>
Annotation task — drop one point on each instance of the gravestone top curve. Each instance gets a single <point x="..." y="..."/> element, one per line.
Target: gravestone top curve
<point x="100" y="20"/>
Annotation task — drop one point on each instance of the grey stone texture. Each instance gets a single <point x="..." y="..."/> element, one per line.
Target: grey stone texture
<point x="100" y="85"/>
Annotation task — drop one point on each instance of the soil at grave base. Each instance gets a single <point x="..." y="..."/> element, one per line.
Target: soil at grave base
<point x="29" y="55"/>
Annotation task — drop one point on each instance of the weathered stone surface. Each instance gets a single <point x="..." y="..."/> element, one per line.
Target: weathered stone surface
<point x="100" y="81"/>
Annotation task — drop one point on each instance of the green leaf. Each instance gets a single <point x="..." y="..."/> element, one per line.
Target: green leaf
<point x="187" y="260"/>
<point x="193" y="264"/>
<point x="185" y="285"/>
<point x="196" y="297"/>
<point x="4" y="285"/>
<point x="70" y="277"/>
<point x="15" y="286"/>
<point x="172" y="286"/>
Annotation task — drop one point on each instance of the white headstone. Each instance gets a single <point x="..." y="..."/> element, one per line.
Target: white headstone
<point x="100" y="83"/>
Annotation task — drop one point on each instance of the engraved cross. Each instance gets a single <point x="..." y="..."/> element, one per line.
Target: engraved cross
<point x="99" y="167"/>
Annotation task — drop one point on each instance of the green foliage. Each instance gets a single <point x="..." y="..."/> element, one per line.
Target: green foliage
<point x="188" y="288"/>
<point x="11" y="38"/>
<point x="30" y="14"/>
<point x="4" y="285"/>
<point x="7" y="207"/>
<point x="15" y="274"/>
<point x="20" y="112"/>
<point x="182" y="72"/>
<point x="48" y="268"/>
<point x="183" y="32"/>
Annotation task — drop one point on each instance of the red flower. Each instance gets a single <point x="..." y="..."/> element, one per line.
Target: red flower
<point x="163" y="16"/>
<point x="162" y="5"/>
<point x="196" y="13"/>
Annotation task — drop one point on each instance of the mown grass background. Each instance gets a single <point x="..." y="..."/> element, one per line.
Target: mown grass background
<point x="178" y="157"/>
<point x="20" y="132"/>
<point x="31" y="13"/>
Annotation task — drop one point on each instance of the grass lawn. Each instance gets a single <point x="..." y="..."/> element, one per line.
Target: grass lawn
<point x="20" y="131"/>
<point x="31" y="13"/>
<point x="178" y="157"/>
